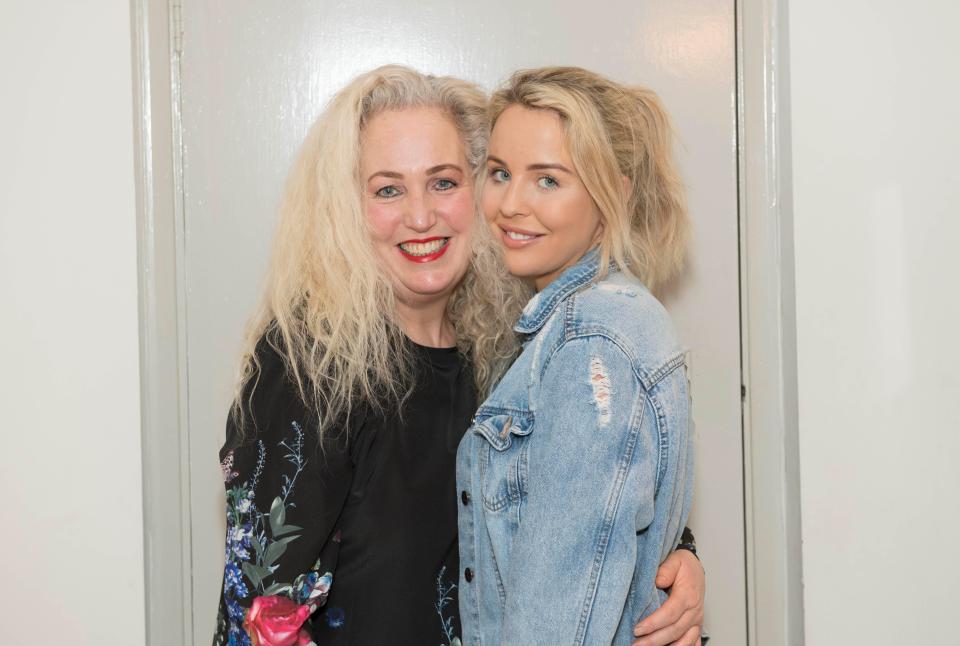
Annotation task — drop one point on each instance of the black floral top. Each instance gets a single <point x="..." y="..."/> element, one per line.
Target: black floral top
<point x="360" y="533"/>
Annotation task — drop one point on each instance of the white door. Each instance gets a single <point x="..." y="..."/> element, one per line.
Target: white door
<point x="256" y="74"/>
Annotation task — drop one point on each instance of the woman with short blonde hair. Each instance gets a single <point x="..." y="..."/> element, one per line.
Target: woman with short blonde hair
<point x="618" y="135"/>
<point x="581" y="459"/>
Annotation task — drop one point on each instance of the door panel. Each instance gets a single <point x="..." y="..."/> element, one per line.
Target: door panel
<point x="256" y="74"/>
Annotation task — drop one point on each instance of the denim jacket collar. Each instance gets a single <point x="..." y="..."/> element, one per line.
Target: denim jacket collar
<point x="539" y="308"/>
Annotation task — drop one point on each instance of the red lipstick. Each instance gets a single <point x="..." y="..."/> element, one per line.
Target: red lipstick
<point x="429" y="257"/>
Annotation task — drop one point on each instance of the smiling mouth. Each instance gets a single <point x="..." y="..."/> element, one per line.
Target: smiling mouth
<point x="514" y="235"/>
<point x="424" y="250"/>
<point x="514" y="239"/>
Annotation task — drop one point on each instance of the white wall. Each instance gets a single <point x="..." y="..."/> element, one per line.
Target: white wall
<point x="875" y="164"/>
<point x="70" y="463"/>
<point x="875" y="138"/>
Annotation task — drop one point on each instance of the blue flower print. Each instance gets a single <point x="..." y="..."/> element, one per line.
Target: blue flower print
<point x="256" y="539"/>
<point x="233" y="583"/>
<point x="445" y="598"/>
<point x="335" y="617"/>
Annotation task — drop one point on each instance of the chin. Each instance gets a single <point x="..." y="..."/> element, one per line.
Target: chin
<point x="522" y="268"/>
<point x="431" y="285"/>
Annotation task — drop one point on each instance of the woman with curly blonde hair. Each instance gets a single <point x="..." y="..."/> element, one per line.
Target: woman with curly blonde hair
<point x="386" y="311"/>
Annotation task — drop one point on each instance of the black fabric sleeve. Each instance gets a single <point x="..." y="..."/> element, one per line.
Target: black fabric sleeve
<point x="284" y="494"/>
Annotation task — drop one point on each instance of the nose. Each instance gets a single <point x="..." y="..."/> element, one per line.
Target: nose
<point x="419" y="214"/>
<point x="513" y="203"/>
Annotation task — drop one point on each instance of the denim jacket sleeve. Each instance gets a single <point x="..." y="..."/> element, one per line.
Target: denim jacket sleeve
<point x="592" y="479"/>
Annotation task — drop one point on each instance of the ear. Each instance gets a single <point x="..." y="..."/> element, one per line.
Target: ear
<point x="627" y="187"/>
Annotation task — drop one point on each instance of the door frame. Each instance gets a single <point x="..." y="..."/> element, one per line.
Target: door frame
<point x="767" y="310"/>
<point x="768" y="327"/>
<point x="155" y="43"/>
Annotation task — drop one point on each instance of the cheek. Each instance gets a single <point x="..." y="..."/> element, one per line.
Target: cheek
<point x="593" y="219"/>
<point x="568" y="215"/>
<point x="588" y="208"/>
<point x="459" y="212"/>
<point x="383" y="219"/>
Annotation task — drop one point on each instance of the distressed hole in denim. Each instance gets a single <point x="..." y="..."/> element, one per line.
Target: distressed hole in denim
<point x="600" y="381"/>
<point x="623" y="291"/>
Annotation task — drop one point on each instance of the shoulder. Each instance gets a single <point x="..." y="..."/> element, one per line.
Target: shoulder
<point x="620" y="310"/>
<point x="270" y="387"/>
<point x="270" y="402"/>
<point x="271" y="426"/>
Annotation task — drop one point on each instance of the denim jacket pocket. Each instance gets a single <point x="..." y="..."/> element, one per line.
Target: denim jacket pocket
<point x="502" y="455"/>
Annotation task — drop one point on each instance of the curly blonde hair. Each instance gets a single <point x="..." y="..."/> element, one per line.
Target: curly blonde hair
<point x="615" y="131"/>
<point x="327" y="307"/>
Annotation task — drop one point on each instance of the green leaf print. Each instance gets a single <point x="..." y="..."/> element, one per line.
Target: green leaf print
<point x="277" y="515"/>
<point x="278" y="588"/>
<point x="255" y="573"/>
<point x="276" y="549"/>
<point x="286" y="529"/>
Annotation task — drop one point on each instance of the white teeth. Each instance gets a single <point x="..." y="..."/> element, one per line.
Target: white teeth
<point x="424" y="248"/>
<point x="513" y="235"/>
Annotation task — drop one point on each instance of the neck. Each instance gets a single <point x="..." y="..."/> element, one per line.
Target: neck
<point x="427" y="324"/>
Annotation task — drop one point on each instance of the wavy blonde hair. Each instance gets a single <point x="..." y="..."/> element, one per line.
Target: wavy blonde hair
<point x="328" y="308"/>
<point x="614" y="131"/>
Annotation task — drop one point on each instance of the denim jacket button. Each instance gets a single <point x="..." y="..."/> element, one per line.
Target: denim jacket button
<point x="468" y="575"/>
<point x="465" y="497"/>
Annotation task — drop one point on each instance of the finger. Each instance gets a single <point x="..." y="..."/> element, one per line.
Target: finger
<point x="690" y="638"/>
<point x="667" y="614"/>
<point x="689" y="567"/>
<point x="667" y="573"/>
<point x="698" y="615"/>
<point x="669" y="633"/>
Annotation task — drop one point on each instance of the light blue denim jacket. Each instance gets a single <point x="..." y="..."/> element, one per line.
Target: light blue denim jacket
<point x="576" y="476"/>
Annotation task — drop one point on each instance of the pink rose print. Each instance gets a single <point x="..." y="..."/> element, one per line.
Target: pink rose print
<point x="277" y="621"/>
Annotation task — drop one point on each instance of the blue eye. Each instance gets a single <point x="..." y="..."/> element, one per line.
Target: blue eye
<point x="444" y="184"/>
<point x="547" y="182"/>
<point x="388" y="191"/>
<point x="499" y="175"/>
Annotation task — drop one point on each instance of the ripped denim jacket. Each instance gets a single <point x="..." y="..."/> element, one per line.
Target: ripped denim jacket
<point x="576" y="476"/>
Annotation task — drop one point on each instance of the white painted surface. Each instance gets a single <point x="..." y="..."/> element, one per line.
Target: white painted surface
<point x="875" y="139"/>
<point x="69" y="386"/>
<point x="771" y="446"/>
<point x="256" y="74"/>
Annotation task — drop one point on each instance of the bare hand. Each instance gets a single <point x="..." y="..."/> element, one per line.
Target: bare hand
<point x="679" y="620"/>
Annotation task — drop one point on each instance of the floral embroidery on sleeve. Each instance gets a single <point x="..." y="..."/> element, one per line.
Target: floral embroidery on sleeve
<point x="255" y="541"/>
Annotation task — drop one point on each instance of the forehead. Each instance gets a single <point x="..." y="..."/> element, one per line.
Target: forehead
<point x="412" y="138"/>
<point x="528" y="134"/>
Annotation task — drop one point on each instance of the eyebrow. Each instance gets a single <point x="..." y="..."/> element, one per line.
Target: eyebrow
<point x="430" y="171"/>
<point x="386" y="173"/>
<point x="560" y="167"/>
<point x="441" y="167"/>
